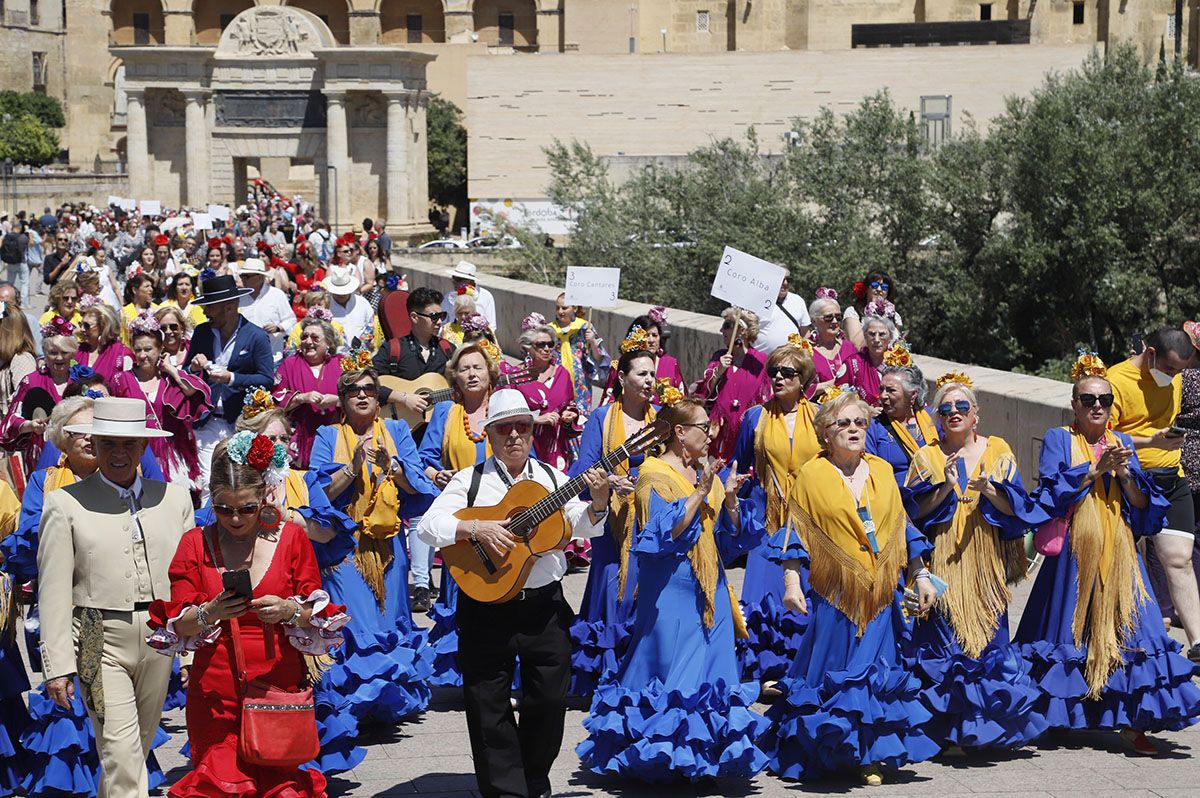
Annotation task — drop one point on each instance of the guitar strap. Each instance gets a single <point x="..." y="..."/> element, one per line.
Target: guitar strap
<point x="477" y="478"/>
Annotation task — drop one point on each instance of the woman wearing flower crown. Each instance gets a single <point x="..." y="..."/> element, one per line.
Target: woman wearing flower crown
<point x="288" y="616"/>
<point x="454" y="440"/>
<point x="139" y="297"/>
<point x="847" y="701"/>
<point x="174" y="401"/>
<point x="835" y="357"/>
<point x="903" y="425"/>
<point x="181" y="293"/>
<point x="675" y="707"/>
<point x="100" y="346"/>
<point x="600" y="633"/>
<point x="550" y="393"/>
<point x="18" y="433"/>
<point x="881" y="335"/>
<point x="665" y="366"/>
<point x="306" y="383"/>
<point x="1091" y="629"/>
<point x="735" y="379"/>
<point x="384" y="667"/>
<point x="774" y="441"/>
<point x="878" y="290"/>
<point x="581" y="350"/>
<point x="964" y="492"/>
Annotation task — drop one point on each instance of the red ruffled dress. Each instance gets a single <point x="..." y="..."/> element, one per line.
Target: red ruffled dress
<point x="273" y="654"/>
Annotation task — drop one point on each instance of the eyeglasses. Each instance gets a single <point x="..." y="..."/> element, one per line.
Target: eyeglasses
<point x="543" y="344"/>
<point x="365" y="390"/>
<point x="962" y="407"/>
<point x="845" y="423"/>
<point x="434" y="317"/>
<point x="703" y="426"/>
<point x="507" y="427"/>
<point x="1090" y="399"/>
<point x="86" y="325"/>
<point x="243" y="511"/>
<point x="787" y="372"/>
<point x="879" y="285"/>
<point x="282" y="438"/>
<point x="78" y="436"/>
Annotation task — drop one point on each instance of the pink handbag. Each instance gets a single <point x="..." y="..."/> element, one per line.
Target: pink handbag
<point x="1048" y="540"/>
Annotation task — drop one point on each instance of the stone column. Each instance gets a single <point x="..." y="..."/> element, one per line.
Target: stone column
<point x="399" y="208"/>
<point x="418" y="165"/>
<point x="337" y="155"/>
<point x="137" y="146"/>
<point x="459" y="25"/>
<point x="548" y="22"/>
<point x="195" y="134"/>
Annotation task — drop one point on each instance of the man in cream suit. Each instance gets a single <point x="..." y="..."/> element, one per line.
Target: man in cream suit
<point x="106" y="543"/>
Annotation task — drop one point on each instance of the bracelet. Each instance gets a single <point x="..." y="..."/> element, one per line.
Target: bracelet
<point x="295" y="619"/>
<point x="923" y="574"/>
<point x="474" y="526"/>
<point x="202" y="619"/>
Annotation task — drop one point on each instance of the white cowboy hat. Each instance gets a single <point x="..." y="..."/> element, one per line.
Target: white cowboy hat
<point x="113" y="417"/>
<point x="253" y="266"/>
<point x="341" y="281"/>
<point x="465" y="270"/>
<point x="507" y="403"/>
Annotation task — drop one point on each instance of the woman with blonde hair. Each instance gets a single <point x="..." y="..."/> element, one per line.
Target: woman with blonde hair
<point x="177" y="333"/>
<point x="735" y="379"/>
<point x="46" y="385"/>
<point x="18" y="354"/>
<point x="100" y="346"/>
<point x="63" y="300"/>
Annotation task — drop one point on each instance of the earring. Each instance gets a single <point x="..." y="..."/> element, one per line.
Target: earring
<point x="269" y="517"/>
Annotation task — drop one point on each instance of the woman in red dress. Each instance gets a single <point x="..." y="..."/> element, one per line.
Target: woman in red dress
<point x="288" y="616"/>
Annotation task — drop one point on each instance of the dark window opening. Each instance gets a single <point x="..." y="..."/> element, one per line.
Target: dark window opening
<point x="141" y="28"/>
<point x="227" y="20"/>
<point x="414" y="25"/>
<point x="985" y="12"/>
<point x="507" y="25"/>
<point x="1077" y="13"/>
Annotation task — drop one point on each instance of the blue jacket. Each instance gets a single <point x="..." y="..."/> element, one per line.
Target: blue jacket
<point x="252" y="364"/>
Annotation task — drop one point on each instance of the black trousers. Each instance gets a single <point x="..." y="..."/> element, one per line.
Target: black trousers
<point x="513" y="760"/>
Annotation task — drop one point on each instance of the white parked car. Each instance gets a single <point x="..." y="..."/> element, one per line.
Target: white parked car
<point x="492" y="242"/>
<point x="444" y="243"/>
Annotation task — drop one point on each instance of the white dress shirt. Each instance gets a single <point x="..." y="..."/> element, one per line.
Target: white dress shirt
<point x="270" y="306"/>
<point x="773" y="330"/>
<point x="357" y="318"/>
<point x="439" y="527"/>
<point x="485" y="304"/>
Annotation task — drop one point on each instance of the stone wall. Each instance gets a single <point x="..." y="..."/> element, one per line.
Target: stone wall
<point x="34" y="192"/>
<point x="1017" y="407"/>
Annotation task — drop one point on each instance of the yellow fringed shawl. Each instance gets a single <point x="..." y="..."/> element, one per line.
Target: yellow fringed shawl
<point x="1108" y="581"/>
<point x="657" y="477"/>
<point x="621" y="508"/>
<point x="566" y="353"/>
<point x="777" y="459"/>
<point x="458" y="450"/>
<point x="967" y="551"/>
<point x="373" y="505"/>
<point x="906" y="439"/>
<point x="844" y="571"/>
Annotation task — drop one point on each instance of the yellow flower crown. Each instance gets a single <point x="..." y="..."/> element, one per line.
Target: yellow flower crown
<point x="798" y="341"/>
<point x="668" y="394"/>
<point x="638" y="339"/>
<point x="489" y="348"/>
<point x="1088" y="364"/>
<point x="259" y="401"/>
<point x="357" y="360"/>
<point x="831" y="393"/>
<point x="956" y="377"/>
<point x="898" y="356"/>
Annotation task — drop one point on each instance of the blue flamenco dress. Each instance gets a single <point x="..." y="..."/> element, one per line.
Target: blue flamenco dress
<point x="1149" y="687"/>
<point x="382" y="671"/>
<point x="600" y="634"/>
<point x="974" y="680"/>
<point x="847" y="699"/>
<point x="676" y="706"/>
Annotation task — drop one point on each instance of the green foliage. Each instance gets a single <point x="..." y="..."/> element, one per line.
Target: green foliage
<point x="47" y="109"/>
<point x="1070" y="222"/>
<point x="27" y="141"/>
<point x="447" y="140"/>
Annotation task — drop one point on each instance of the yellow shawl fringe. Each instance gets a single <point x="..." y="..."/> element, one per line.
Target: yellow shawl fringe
<point x="374" y="506"/>
<point x="620" y="508"/>
<point x="777" y="458"/>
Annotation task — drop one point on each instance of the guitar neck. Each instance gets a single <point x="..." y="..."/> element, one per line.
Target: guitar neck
<point x="559" y="498"/>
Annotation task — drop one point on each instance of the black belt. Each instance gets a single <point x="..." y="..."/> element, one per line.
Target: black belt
<point x="142" y="606"/>
<point x="535" y="592"/>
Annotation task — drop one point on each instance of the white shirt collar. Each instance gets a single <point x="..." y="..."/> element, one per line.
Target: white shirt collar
<point x="133" y="491"/>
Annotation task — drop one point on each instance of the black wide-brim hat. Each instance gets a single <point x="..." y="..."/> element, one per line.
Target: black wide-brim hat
<point x="221" y="288"/>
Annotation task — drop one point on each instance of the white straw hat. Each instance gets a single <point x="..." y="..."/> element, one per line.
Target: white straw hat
<point x="113" y="417"/>
<point x="465" y="270"/>
<point x="341" y="281"/>
<point x="507" y="403"/>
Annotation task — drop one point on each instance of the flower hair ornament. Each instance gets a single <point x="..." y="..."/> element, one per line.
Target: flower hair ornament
<point x="827" y="293"/>
<point x="144" y="322"/>
<point x="489" y="348"/>
<point x="358" y="359"/>
<point x="257" y="451"/>
<point x="800" y="343"/>
<point x="637" y="340"/>
<point x="319" y="313"/>
<point x="392" y="282"/>
<point x="57" y="326"/>
<point x="898" y="355"/>
<point x="956" y="378"/>
<point x="881" y="308"/>
<point x="476" y="324"/>
<point x="89" y="301"/>
<point x="161" y="240"/>
<point x="81" y="373"/>
<point x="533" y="321"/>
<point x="134" y="270"/>
<point x="1088" y="364"/>
<point x="834" y="391"/>
<point x="668" y="394"/>
<point x="859" y="290"/>
<point x="657" y="314"/>
<point x="259" y="401"/>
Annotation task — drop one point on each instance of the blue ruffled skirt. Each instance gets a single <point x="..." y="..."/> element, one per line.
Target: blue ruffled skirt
<point x="847" y="701"/>
<point x="14" y="720"/>
<point x="775" y="631"/>
<point x="1152" y="692"/>
<point x="600" y="635"/>
<point x="986" y="702"/>
<point x="443" y="637"/>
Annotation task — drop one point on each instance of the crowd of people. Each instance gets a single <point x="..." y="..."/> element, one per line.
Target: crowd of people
<point x="186" y="400"/>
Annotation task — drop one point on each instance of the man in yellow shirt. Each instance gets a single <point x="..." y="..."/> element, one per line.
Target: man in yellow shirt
<point x="1147" y="389"/>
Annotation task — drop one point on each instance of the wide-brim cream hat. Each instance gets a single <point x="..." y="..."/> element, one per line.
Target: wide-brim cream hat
<point x="253" y="266"/>
<point x="505" y="404"/>
<point x="465" y="270"/>
<point x="113" y="417"/>
<point x="340" y="281"/>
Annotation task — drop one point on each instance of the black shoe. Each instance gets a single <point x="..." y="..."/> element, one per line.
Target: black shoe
<point x="434" y="591"/>
<point x="420" y="599"/>
<point x="1193" y="653"/>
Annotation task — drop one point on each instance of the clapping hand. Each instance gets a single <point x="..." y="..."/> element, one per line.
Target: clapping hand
<point x="733" y="484"/>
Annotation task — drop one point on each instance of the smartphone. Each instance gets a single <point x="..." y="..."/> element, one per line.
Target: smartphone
<point x="238" y="583"/>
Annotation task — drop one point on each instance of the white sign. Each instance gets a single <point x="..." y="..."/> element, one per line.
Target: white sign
<point x="747" y="282"/>
<point x="127" y="204"/>
<point x="592" y="286"/>
<point x="541" y="215"/>
<point x="113" y="200"/>
<point x="201" y="221"/>
<point x="151" y="208"/>
<point x="219" y="212"/>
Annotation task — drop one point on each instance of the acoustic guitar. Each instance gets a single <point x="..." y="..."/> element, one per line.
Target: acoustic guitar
<point x="434" y="388"/>
<point x="537" y="522"/>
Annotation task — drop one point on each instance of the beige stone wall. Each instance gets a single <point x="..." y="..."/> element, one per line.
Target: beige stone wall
<point x="447" y="75"/>
<point x="20" y="38"/>
<point x="671" y="104"/>
<point x="34" y="192"/>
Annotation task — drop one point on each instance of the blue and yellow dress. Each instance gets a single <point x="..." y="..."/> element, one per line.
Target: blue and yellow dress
<point x="676" y="707"/>
<point x="847" y="699"/>
<point x="898" y="443"/>
<point x="1091" y="629"/>
<point x="974" y="680"/>
<point x="764" y="446"/>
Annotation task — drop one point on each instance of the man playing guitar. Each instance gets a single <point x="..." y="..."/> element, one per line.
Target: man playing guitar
<point x="513" y="759"/>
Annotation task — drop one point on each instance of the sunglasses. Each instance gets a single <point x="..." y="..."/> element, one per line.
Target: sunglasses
<point x="366" y="390"/>
<point x="543" y="345"/>
<point x="171" y="327"/>
<point x="787" y="372"/>
<point x="845" y="423"/>
<point x="86" y="325"/>
<point x="879" y="286"/>
<point x="508" y="427"/>
<point x="243" y="511"/>
<point x="1090" y="399"/>
<point x="703" y="426"/>
<point x="962" y="407"/>
<point x="829" y="318"/>
<point x="434" y="317"/>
